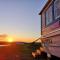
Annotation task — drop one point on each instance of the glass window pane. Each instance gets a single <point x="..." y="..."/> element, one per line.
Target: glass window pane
<point x="56" y="9"/>
<point x="49" y="15"/>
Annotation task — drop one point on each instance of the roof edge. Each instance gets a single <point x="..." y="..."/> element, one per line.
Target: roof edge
<point x="45" y="6"/>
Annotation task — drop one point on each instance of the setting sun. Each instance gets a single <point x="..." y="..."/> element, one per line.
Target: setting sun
<point x="9" y="39"/>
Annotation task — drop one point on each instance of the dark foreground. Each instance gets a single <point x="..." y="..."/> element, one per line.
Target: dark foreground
<point x="15" y="51"/>
<point x="19" y="51"/>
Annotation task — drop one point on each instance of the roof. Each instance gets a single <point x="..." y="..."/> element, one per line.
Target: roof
<point x="45" y="6"/>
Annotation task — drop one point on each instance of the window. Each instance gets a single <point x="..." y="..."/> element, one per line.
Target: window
<point x="49" y="17"/>
<point x="56" y="9"/>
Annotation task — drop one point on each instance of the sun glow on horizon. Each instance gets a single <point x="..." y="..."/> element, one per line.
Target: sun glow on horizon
<point x="14" y="38"/>
<point x="9" y="39"/>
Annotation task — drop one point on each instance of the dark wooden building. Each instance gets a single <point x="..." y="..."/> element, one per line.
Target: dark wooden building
<point x="50" y="26"/>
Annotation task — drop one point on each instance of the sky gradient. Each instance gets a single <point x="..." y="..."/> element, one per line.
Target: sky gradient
<point x="20" y="18"/>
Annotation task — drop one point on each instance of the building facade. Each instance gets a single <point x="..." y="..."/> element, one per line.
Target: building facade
<point x="50" y="26"/>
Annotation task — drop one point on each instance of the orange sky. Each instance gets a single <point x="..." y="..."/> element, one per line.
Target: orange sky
<point x="26" y="39"/>
<point x="15" y="38"/>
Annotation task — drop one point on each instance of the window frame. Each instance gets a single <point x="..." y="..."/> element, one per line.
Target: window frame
<point x="51" y="5"/>
<point x="58" y="17"/>
<point x="53" y="17"/>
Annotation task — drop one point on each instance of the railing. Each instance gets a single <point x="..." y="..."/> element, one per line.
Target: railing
<point x="38" y="50"/>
